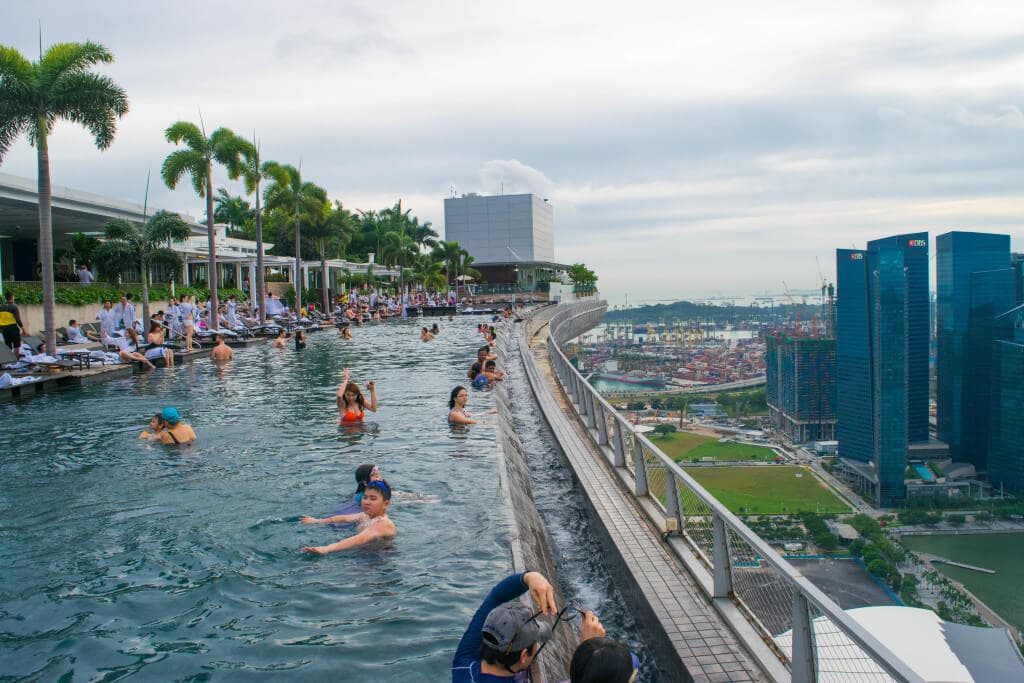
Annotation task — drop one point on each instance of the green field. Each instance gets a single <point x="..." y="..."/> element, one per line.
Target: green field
<point x="1003" y="553"/>
<point x="768" y="490"/>
<point x="687" y="446"/>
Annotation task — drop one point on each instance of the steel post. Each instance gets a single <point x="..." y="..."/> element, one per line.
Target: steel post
<point x="804" y="667"/>
<point x="721" y="561"/>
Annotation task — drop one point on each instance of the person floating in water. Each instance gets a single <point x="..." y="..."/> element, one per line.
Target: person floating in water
<point x="426" y="335"/>
<point x="156" y="424"/>
<point x="371" y="524"/>
<point x="280" y="339"/>
<point x="352" y="406"/>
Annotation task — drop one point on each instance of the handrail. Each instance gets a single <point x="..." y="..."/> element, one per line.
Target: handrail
<point x="816" y="652"/>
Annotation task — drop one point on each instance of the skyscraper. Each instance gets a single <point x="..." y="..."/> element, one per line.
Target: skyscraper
<point x="1006" y="420"/>
<point x="801" y="386"/>
<point x="882" y="358"/>
<point x="975" y="286"/>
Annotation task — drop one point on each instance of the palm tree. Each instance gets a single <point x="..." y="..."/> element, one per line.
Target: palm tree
<point x="196" y="160"/>
<point x="234" y="211"/>
<point x="253" y="173"/>
<point x="127" y="247"/>
<point x="288" y="192"/>
<point x="450" y="254"/>
<point x="427" y="272"/>
<point x="33" y="97"/>
<point x="330" y="228"/>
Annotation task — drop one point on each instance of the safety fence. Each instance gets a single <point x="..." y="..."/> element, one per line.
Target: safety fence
<point x="809" y="633"/>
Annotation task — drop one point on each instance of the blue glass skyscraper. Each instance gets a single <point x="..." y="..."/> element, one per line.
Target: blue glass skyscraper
<point x="882" y="357"/>
<point x="975" y="286"/>
<point x="1006" y="420"/>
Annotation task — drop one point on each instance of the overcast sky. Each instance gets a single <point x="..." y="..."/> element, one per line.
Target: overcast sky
<point x="689" y="149"/>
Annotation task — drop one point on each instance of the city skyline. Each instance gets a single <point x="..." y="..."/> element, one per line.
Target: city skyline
<point x="701" y="140"/>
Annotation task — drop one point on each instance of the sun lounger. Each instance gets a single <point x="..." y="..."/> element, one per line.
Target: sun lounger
<point x="35" y="343"/>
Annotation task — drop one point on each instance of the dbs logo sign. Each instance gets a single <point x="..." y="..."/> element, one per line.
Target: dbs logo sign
<point x="857" y="256"/>
<point x="917" y="243"/>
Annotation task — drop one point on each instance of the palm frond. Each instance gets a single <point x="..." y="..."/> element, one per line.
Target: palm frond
<point x="189" y="133"/>
<point x="164" y="226"/>
<point x="227" y="150"/>
<point x="166" y="258"/>
<point x="63" y="59"/>
<point x="182" y="162"/>
<point x="120" y="229"/>
<point x="91" y="100"/>
<point x="115" y="256"/>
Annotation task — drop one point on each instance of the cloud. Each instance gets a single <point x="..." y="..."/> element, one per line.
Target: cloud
<point x="314" y="46"/>
<point x="511" y="176"/>
<point x="1009" y="116"/>
<point x="893" y="114"/>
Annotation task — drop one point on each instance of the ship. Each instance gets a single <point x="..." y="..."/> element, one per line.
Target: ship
<point x="632" y="378"/>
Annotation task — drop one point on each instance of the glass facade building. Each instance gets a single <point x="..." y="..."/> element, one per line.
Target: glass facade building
<point x="975" y="286"/>
<point x="890" y="375"/>
<point x="855" y="428"/>
<point x="1006" y="423"/>
<point x="914" y="247"/>
<point x="801" y="386"/>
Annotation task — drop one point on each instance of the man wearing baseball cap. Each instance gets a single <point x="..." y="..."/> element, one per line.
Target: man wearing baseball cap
<point x="505" y="633"/>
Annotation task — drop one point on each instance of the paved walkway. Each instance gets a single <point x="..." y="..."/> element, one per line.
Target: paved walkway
<point x="704" y="644"/>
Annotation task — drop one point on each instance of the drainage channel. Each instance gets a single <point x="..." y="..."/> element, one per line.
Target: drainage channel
<point x="576" y="549"/>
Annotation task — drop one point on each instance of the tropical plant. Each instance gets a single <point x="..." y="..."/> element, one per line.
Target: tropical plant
<point x="329" y="228"/>
<point x="252" y="173"/>
<point x="581" y="275"/>
<point x="128" y="247"/>
<point x="33" y="97"/>
<point x="288" y="192"/>
<point x="196" y="160"/>
<point x="428" y="272"/>
<point x="82" y="248"/>
<point x="234" y="211"/>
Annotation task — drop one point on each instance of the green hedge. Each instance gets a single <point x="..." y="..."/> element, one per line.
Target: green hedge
<point x="85" y="295"/>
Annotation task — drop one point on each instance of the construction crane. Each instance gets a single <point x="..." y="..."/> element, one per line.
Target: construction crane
<point x="796" y="311"/>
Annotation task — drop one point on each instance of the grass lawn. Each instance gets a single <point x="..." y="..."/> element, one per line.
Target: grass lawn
<point x="677" y="444"/>
<point x="773" y="489"/>
<point x="732" y="452"/>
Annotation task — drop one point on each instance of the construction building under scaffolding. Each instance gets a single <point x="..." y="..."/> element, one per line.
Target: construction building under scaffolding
<point x="801" y="386"/>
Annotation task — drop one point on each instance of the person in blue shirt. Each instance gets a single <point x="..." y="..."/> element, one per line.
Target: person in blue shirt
<point x="504" y="635"/>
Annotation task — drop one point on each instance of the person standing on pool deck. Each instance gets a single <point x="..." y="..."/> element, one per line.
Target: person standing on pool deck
<point x="372" y="523"/>
<point x="10" y="323"/>
<point x="351" y="405"/>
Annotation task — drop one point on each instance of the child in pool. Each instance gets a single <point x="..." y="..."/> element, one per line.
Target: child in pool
<point x="371" y="524"/>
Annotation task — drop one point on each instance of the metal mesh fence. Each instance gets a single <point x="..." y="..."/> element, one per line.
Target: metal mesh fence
<point x="838" y="658"/>
<point x="698" y="523"/>
<point x="656" y="479"/>
<point x="760" y="587"/>
<point x="629" y="444"/>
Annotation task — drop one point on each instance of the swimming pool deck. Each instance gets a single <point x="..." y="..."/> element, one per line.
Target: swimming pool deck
<point x="678" y="611"/>
<point x="63" y="379"/>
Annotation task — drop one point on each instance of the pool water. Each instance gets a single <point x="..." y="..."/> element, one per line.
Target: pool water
<point x="119" y="558"/>
<point x="924" y="472"/>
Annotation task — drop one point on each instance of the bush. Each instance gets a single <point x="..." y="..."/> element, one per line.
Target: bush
<point x="956" y="520"/>
<point x="879" y="567"/>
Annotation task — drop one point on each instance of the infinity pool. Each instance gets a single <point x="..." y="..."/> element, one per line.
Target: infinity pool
<point x="119" y="559"/>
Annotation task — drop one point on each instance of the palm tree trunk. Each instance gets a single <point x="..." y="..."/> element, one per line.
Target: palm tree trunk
<point x="144" y="265"/>
<point x="298" y="263"/>
<point x="46" y="239"/>
<point x="323" y="278"/>
<point x="212" y="246"/>
<point x="261" y="297"/>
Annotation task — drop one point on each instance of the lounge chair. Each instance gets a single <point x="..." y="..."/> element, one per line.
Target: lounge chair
<point x="35" y="343"/>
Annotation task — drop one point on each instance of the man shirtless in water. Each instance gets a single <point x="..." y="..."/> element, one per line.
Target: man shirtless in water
<point x="372" y="523"/>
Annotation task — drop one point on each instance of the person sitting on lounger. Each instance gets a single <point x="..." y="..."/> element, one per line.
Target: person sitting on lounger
<point x="372" y="523"/>
<point x="156" y="338"/>
<point x="75" y="335"/>
<point x="128" y="348"/>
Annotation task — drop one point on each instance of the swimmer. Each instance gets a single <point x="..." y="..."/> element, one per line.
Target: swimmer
<point x="300" y="340"/>
<point x="352" y="406"/>
<point x="174" y="430"/>
<point x="426" y="335"/>
<point x="280" y="340"/>
<point x="492" y="373"/>
<point x="435" y="330"/>
<point x="372" y="523"/>
<point x="157" y="425"/>
<point x="221" y="352"/>
<point x="457" y="413"/>
<point x="483" y="354"/>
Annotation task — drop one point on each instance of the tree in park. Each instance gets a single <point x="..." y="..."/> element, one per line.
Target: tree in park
<point x="330" y="228"/>
<point x="664" y="429"/>
<point x="33" y="97"/>
<point x="196" y="160"/>
<point x="581" y="275"/>
<point x="252" y="172"/>
<point x="127" y="247"/>
<point x="287" y="192"/>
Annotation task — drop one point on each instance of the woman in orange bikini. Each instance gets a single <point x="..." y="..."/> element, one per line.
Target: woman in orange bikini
<point x="351" y="405"/>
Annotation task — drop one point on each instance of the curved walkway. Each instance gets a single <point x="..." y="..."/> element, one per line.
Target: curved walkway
<point x="693" y="631"/>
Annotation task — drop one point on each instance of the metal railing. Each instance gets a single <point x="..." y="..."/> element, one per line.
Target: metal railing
<point x="810" y="634"/>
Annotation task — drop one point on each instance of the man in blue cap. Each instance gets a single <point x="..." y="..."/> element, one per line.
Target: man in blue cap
<point x="175" y="431"/>
<point x="505" y="634"/>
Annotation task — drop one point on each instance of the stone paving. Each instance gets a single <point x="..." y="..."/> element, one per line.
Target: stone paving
<point x="705" y="646"/>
